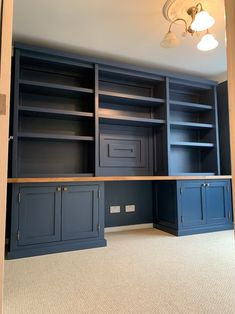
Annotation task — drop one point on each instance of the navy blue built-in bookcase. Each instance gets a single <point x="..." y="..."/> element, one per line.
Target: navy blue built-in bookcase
<point x="77" y="116"/>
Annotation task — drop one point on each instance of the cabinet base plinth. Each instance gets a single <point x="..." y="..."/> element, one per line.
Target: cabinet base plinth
<point x="28" y="252"/>
<point x="191" y="231"/>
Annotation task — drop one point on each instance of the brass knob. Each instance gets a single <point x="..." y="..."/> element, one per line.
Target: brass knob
<point x="58" y="189"/>
<point x="65" y="189"/>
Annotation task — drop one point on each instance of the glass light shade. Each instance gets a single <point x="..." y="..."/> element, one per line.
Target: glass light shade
<point x="202" y="21"/>
<point x="208" y="42"/>
<point x="170" y="40"/>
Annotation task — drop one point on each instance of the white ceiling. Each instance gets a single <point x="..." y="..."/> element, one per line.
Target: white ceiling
<point x="128" y="31"/>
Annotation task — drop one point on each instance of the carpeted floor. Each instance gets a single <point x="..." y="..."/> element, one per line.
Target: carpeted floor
<point x="144" y="271"/>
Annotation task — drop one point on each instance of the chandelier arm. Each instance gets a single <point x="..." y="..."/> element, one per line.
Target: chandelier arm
<point x="179" y="19"/>
<point x="197" y="7"/>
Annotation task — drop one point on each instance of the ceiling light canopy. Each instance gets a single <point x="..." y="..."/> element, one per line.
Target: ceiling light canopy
<point x="200" y="21"/>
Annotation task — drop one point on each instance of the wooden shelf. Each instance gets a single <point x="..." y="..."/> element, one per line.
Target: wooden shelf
<point x="130" y="120"/>
<point x="193" y="144"/>
<point x="46" y="136"/>
<point x="129" y="99"/>
<point x="58" y="87"/>
<point x="201" y="176"/>
<point x="191" y="125"/>
<point x="54" y="112"/>
<point x="188" y="106"/>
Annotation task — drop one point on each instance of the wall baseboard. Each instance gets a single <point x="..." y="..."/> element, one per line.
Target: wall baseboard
<point x="129" y="227"/>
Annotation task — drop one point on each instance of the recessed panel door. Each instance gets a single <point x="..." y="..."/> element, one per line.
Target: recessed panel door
<point x="39" y="215"/>
<point x="80" y="207"/>
<point x="217" y="210"/>
<point x="192" y="196"/>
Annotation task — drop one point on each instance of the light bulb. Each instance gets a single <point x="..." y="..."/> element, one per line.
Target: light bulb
<point x="202" y="21"/>
<point x="170" y="40"/>
<point x="208" y="42"/>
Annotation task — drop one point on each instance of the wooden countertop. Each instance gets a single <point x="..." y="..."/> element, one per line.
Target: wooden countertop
<point x="117" y="178"/>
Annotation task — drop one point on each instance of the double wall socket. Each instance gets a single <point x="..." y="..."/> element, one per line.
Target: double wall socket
<point x="117" y="209"/>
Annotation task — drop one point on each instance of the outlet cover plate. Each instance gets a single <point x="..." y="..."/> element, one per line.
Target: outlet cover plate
<point x="130" y="208"/>
<point x="115" y="209"/>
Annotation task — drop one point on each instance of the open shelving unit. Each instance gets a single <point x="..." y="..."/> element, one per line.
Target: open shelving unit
<point x="130" y="100"/>
<point x="91" y="119"/>
<point x="54" y="125"/>
<point x="193" y="129"/>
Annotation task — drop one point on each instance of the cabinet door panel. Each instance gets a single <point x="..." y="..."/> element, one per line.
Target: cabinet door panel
<point x="216" y="202"/>
<point x="192" y="204"/>
<point x="39" y="215"/>
<point x="80" y="208"/>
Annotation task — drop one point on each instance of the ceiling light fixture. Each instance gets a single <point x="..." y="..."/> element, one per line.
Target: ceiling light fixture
<point x="200" y="21"/>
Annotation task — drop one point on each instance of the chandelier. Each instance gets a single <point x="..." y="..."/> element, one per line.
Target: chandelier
<point x="200" y="22"/>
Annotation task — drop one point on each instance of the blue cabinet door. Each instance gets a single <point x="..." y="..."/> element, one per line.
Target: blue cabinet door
<point x="192" y="204"/>
<point x="218" y="207"/>
<point x="39" y="215"/>
<point x="80" y="212"/>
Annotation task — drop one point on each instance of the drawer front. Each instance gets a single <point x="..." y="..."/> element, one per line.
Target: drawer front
<point x="125" y="147"/>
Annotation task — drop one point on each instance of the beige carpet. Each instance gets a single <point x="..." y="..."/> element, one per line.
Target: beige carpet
<point x="144" y="271"/>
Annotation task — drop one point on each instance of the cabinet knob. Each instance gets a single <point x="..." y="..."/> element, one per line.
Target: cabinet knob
<point x="58" y="189"/>
<point x="65" y="189"/>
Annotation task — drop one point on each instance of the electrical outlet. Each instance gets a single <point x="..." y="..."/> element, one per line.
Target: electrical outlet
<point x="115" y="209"/>
<point x="130" y="208"/>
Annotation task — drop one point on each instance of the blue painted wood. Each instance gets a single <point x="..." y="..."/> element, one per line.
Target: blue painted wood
<point x="125" y="150"/>
<point x="39" y="215"/>
<point x="224" y="136"/>
<point x="56" y="247"/>
<point x="15" y="100"/>
<point x="218" y="202"/>
<point x="187" y="106"/>
<point x="165" y="202"/>
<point x="40" y="86"/>
<point x="55" y="112"/>
<point x="50" y="219"/>
<point x="191" y="125"/>
<point x="191" y="207"/>
<point x="97" y="127"/>
<point x="129" y="99"/>
<point x="191" y="195"/>
<point x="216" y="132"/>
<point x="107" y="64"/>
<point x="80" y="212"/>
